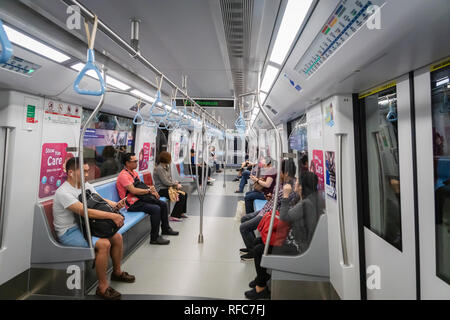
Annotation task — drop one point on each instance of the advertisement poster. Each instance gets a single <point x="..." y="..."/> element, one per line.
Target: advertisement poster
<point x="53" y="175"/>
<point x="330" y="163"/>
<point x="144" y="157"/>
<point x="60" y="130"/>
<point x="101" y="137"/>
<point x="329" y="118"/>
<point x="317" y="167"/>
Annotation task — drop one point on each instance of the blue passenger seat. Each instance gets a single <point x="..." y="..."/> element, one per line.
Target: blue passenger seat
<point x="109" y="191"/>
<point x="443" y="172"/>
<point x="259" y="204"/>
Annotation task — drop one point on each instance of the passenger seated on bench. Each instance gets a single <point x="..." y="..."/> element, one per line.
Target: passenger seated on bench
<point x="199" y="175"/>
<point x="65" y="208"/>
<point x="163" y="181"/>
<point x="267" y="181"/>
<point x="303" y="218"/>
<point x="245" y="166"/>
<point x="250" y="221"/>
<point x="157" y="210"/>
<point x="214" y="159"/>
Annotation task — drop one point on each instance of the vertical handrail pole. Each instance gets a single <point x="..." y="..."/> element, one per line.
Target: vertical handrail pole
<point x="3" y="186"/>
<point x="277" y="185"/>
<point x="81" y="162"/>
<point x="201" y="193"/>
<point x="341" y="204"/>
<point x="224" y="160"/>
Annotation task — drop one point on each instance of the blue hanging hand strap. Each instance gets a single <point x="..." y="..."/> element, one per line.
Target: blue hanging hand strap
<point x="240" y="123"/>
<point x="7" y="49"/>
<point x="138" y="119"/>
<point x="392" y="115"/>
<point x="90" y="65"/>
<point x="157" y="101"/>
<point x="188" y="121"/>
<point x="176" y="118"/>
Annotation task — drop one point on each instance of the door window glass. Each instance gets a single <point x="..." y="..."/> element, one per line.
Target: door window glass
<point x="383" y="177"/>
<point x="441" y="151"/>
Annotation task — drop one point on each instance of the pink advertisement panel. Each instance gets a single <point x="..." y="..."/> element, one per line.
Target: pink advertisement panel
<point x="318" y="168"/>
<point x="144" y="157"/>
<point x="53" y="175"/>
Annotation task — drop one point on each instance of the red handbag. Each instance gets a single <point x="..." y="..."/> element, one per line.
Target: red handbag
<point x="279" y="232"/>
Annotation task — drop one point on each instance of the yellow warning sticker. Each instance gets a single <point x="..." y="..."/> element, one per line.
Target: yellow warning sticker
<point x="440" y="65"/>
<point x="377" y="89"/>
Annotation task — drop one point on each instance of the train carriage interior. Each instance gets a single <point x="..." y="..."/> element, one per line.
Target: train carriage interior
<point x="224" y="150"/>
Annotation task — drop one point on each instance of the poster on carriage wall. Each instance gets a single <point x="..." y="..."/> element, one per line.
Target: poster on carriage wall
<point x="60" y="130"/>
<point x="144" y="156"/>
<point x="145" y="147"/>
<point x="53" y="175"/>
<point x="330" y="175"/>
<point x="317" y="168"/>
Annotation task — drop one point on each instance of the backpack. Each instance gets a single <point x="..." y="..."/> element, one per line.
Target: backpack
<point x="149" y="198"/>
<point x="279" y="232"/>
<point x="101" y="228"/>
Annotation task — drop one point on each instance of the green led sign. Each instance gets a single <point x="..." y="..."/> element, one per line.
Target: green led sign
<point x="209" y="103"/>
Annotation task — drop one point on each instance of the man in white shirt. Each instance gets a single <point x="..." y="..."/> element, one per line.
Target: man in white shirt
<point x="67" y="209"/>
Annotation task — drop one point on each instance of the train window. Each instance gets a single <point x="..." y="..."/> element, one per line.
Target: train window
<point x="383" y="177"/>
<point x="440" y="94"/>
<point x="107" y="140"/>
<point x="298" y="142"/>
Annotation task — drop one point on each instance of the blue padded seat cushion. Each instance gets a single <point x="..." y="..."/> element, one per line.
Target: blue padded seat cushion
<point x="109" y="191"/>
<point x="259" y="204"/>
<point x="443" y="172"/>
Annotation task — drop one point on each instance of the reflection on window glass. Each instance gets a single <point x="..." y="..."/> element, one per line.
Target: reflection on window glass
<point x="383" y="166"/>
<point x="441" y="148"/>
<point x="298" y="143"/>
<point x="107" y="139"/>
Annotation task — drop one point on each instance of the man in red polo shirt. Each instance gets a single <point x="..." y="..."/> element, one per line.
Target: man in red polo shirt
<point x="158" y="210"/>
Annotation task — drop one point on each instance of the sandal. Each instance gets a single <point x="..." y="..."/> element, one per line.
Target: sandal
<point x="124" y="277"/>
<point x="109" y="294"/>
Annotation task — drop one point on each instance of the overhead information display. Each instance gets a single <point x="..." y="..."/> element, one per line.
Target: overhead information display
<point x="21" y="66"/>
<point x="345" y="20"/>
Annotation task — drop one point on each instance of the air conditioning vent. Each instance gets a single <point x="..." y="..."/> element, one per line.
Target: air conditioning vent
<point x="237" y="22"/>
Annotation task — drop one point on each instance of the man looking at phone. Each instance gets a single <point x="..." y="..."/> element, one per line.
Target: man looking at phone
<point x="158" y="210"/>
<point x="67" y="208"/>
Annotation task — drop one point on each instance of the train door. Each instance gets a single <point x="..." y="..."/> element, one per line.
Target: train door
<point x="3" y="154"/>
<point x="432" y="105"/>
<point x="387" y="195"/>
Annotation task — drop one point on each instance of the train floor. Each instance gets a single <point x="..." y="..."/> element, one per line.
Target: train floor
<point x="185" y="269"/>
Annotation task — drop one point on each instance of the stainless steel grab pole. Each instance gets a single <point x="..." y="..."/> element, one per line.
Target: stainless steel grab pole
<point x="81" y="162"/>
<point x="87" y="14"/>
<point x="341" y="204"/>
<point x="3" y="186"/>
<point x="277" y="185"/>
<point x="224" y="160"/>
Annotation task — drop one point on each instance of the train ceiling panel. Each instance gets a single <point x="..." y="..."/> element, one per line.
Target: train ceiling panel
<point x="180" y="38"/>
<point x="368" y="57"/>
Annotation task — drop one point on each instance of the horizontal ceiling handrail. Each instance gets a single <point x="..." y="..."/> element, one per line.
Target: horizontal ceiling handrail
<point x="87" y="14"/>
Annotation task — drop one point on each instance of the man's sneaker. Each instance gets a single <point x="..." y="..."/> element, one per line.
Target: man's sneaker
<point x="160" y="241"/>
<point x="253" y="295"/>
<point x="170" y="232"/>
<point x="109" y="294"/>
<point x="211" y="179"/>
<point x="244" y="250"/>
<point x="247" y="257"/>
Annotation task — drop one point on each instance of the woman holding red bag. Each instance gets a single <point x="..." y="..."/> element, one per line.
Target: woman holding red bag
<point x="302" y="218"/>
